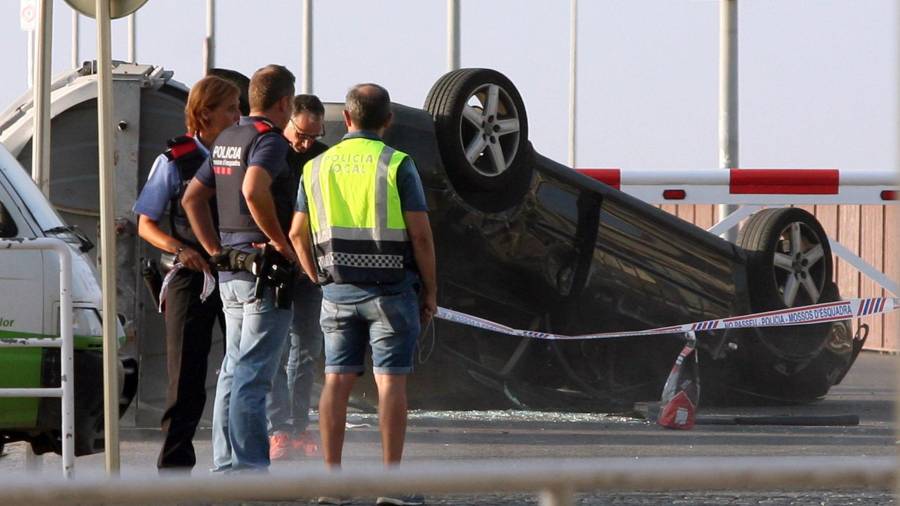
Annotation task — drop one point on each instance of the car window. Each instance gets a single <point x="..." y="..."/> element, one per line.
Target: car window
<point x="560" y="201"/>
<point x="36" y="204"/>
<point x="8" y="226"/>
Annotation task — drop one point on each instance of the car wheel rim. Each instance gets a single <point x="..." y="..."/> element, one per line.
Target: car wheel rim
<point x="489" y="130"/>
<point x="799" y="265"/>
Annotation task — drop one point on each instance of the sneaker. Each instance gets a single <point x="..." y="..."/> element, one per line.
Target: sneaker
<point x="401" y="500"/>
<point x="279" y="446"/>
<point x="305" y="444"/>
<point x="337" y="501"/>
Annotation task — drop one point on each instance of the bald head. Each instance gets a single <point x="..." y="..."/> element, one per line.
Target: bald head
<point x="368" y="106"/>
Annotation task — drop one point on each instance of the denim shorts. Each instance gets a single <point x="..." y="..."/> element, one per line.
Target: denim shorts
<point x="387" y="323"/>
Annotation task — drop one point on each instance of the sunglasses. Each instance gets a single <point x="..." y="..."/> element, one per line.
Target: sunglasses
<point x="303" y="136"/>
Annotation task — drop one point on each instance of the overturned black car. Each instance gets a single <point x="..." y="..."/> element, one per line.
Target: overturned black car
<point x="521" y="240"/>
<point x="532" y="244"/>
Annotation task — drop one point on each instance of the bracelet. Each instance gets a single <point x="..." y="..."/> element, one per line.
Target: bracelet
<point x="178" y="251"/>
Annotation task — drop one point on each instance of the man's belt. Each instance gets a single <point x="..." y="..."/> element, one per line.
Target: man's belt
<point x="269" y="267"/>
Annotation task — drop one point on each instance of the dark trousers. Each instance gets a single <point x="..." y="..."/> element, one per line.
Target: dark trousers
<point x="189" y="325"/>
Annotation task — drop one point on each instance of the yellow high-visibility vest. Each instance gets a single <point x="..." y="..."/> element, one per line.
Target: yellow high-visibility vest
<point x="355" y="214"/>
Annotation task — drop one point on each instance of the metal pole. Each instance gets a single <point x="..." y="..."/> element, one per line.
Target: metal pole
<point x="895" y="231"/>
<point x="107" y="239"/>
<point x="75" y="27"/>
<point x="728" y="98"/>
<point x="67" y="380"/>
<point x="306" y="85"/>
<point x="573" y="78"/>
<point x="29" y="59"/>
<point x="561" y="478"/>
<point x="452" y="35"/>
<point x="67" y="356"/>
<point x="209" y="43"/>
<point x="40" y="145"/>
<point x="132" y="38"/>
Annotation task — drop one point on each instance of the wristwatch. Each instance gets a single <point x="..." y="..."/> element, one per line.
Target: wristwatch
<point x="178" y="251"/>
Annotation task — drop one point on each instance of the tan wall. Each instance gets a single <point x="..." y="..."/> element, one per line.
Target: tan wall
<point x="868" y="231"/>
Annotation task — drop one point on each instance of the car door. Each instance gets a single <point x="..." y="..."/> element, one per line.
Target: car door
<point x="21" y="312"/>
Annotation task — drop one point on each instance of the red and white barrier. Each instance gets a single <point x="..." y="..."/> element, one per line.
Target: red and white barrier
<point x="753" y="186"/>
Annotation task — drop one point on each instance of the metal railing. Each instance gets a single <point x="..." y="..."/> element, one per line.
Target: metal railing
<point x="66" y="390"/>
<point x="555" y="482"/>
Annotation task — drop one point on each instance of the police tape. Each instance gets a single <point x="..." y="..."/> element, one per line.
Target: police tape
<point x="804" y="315"/>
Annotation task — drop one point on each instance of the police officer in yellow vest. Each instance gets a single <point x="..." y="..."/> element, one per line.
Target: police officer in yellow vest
<point x="371" y="248"/>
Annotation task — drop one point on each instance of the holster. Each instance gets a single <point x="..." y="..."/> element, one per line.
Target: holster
<point x="152" y="278"/>
<point x="276" y="271"/>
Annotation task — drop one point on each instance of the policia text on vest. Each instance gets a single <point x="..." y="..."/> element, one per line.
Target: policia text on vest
<point x="359" y="233"/>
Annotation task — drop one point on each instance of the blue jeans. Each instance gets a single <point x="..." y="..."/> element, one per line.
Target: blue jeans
<point x="287" y="406"/>
<point x="255" y="331"/>
<point x="387" y="323"/>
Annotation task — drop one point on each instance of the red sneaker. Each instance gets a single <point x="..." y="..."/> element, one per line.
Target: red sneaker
<point x="305" y="444"/>
<point x="279" y="446"/>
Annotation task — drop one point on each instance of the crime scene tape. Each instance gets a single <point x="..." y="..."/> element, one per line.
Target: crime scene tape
<point x="804" y="315"/>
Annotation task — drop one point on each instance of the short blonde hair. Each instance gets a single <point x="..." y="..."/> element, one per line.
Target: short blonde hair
<point x="207" y="94"/>
<point x="269" y="85"/>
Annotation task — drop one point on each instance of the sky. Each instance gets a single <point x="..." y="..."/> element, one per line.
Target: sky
<point x="818" y="79"/>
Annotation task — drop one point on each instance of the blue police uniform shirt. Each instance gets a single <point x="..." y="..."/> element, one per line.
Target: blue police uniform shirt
<point x="163" y="184"/>
<point x="412" y="198"/>
<point x="268" y="152"/>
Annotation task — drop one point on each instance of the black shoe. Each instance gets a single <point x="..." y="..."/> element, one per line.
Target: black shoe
<point x="401" y="500"/>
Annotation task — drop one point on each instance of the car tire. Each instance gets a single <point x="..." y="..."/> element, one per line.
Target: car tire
<point x="789" y="258"/>
<point x="786" y="365"/>
<point x="784" y="244"/>
<point x="482" y="131"/>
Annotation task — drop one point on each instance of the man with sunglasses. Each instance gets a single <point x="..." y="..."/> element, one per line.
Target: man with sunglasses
<point x="287" y="406"/>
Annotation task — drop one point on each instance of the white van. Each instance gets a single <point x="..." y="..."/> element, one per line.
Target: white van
<point x="29" y="307"/>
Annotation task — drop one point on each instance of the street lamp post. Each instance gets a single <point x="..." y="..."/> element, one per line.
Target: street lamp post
<point x="104" y="11"/>
<point x="452" y="35"/>
<point x="306" y="83"/>
<point x="728" y="98"/>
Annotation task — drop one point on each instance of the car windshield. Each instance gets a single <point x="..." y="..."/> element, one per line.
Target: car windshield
<point x="41" y="210"/>
<point x="72" y="235"/>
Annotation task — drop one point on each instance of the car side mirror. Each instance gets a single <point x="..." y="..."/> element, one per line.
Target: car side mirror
<point x="8" y="227"/>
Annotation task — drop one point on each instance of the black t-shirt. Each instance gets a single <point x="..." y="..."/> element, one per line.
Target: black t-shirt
<point x="296" y="161"/>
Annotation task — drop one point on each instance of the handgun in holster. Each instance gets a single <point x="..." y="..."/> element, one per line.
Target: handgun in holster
<point x="269" y="267"/>
<point x="276" y="271"/>
<point x="152" y="278"/>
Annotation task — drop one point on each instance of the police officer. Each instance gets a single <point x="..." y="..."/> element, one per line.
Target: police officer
<point x="288" y="404"/>
<point x="249" y="177"/>
<point x="373" y="251"/>
<point x="212" y="106"/>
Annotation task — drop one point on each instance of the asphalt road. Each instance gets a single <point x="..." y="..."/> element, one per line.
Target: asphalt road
<point x="868" y="391"/>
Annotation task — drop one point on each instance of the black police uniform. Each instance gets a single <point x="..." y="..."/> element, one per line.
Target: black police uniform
<point x="281" y="409"/>
<point x="189" y="324"/>
<point x="229" y="158"/>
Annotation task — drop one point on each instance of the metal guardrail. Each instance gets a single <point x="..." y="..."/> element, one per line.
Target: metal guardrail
<point x="64" y="342"/>
<point x="556" y="482"/>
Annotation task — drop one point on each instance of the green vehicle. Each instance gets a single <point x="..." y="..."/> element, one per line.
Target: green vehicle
<point x="29" y="308"/>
